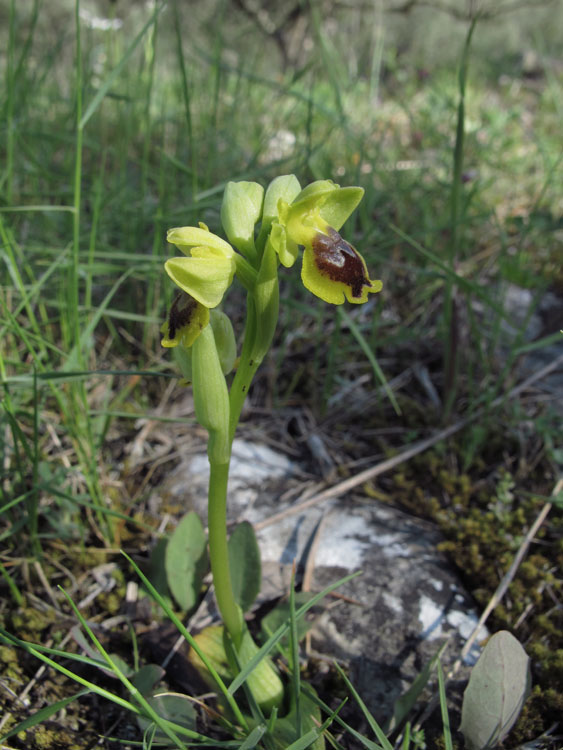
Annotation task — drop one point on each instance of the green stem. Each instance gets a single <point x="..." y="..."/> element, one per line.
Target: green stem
<point x="211" y="402"/>
<point x="219" y="551"/>
<point x="261" y="319"/>
<point x="246" y="369"/>
<point x="219" y="474"/>
<point x="246" y="274"/>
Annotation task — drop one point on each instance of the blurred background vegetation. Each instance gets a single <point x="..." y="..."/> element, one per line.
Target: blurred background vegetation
<point x="133" y="125"/>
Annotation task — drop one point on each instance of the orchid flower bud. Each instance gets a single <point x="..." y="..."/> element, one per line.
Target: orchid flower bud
<point x="224" y="340"/>
<point x="286" y="187"/>
<point x="240" y="211"/>
<point x="211" y="397"/>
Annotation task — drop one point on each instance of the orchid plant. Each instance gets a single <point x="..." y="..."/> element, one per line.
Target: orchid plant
<point x="264" y="230"/>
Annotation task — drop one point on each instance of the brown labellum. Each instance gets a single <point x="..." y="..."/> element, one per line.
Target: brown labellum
<point x="337" y="259"/>
<point x="181" y="313"/>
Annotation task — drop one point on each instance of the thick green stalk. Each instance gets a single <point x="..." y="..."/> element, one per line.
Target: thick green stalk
<point x="211" y="402"/>
<point x="264" y="682"/>
<point x="221" y="418"/>
<point x="217" y="496"/>
<point x="219" y="474"/>
<point x="219" y="551"/>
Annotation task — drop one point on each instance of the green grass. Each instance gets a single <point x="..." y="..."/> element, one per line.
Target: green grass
<point x="110" y="137"/>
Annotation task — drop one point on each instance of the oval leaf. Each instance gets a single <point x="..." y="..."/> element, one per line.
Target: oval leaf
<point x="186" y="560"/>
<point x="497" y="689"/>
<point x="284" y="728"/>
<point x="244" y="562"/>
<point x="157" y="569"/>
<point x="171" y="707"/>
<point x="147" y="677"/>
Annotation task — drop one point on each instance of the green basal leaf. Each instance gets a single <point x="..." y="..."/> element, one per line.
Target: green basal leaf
<point x="186" y="560"/>
<point x="283" y="735"/>
<point x="157" y="569"/>
<point x="497" y="690"/>
<point x="262" y="679"/>
<point x="171" y="707"/>
<point x="245" y="566"/>
<point x="147" y="678"/>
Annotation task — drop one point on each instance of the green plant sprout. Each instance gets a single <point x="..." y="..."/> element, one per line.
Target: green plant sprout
<point x="204" y="341"/>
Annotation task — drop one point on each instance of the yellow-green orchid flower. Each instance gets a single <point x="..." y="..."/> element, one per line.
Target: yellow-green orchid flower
<point x="320" y="205"/>
<point x="332" y="269"/>
<point x="207" y="271"/>
<point x="186" y="320"/>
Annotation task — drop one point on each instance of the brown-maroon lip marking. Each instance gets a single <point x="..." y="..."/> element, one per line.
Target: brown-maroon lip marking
<point x="337" y="259"/>
<point x="181" y="313"/>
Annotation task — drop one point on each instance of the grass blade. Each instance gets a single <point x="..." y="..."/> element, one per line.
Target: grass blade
<point x="282" y="630"/>
<point x="444" y="709"/>
<point x="377" y="730"/>
<point x="114" y="75"/>
<point x="181" y="629"/>
<point x="406" y="701"/>
<point x="365" y="347"/>
<point x="42" y="715"/>
<point x="133" y="691"/>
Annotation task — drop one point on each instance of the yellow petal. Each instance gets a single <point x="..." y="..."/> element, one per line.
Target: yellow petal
<point x="304" y="225"/>
<point x="205" y="277"/>
<point x="285" y="247"/>
<point x="186" y="238"/>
